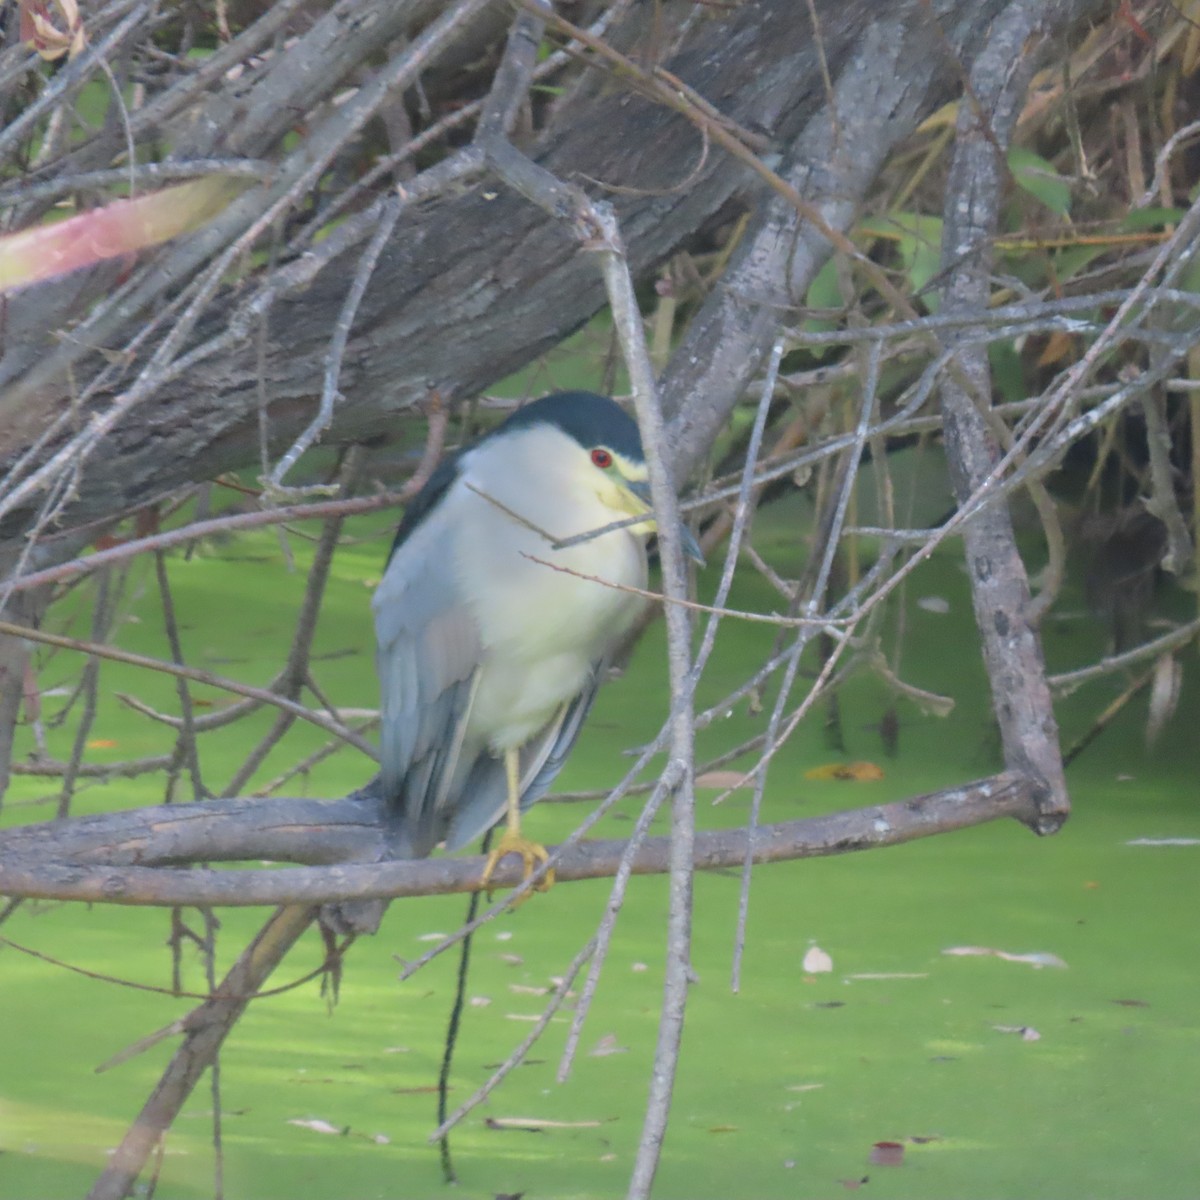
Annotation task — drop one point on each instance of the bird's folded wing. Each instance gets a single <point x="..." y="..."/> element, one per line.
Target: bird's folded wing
<point x="428" y="653"/>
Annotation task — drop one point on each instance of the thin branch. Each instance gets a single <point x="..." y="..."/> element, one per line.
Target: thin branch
<point x="192" y="673"/>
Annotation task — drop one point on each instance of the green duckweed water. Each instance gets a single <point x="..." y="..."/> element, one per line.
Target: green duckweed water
<point x="1000" y="1079"/>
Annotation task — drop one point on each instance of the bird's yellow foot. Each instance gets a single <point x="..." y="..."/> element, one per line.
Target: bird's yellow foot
<point x="532" y="855"/>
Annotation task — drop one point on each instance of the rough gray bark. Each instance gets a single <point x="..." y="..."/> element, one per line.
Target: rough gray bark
<point x="86" y="867"/>
<point x="1000" y="591"/>
<point x="475" y="285"/>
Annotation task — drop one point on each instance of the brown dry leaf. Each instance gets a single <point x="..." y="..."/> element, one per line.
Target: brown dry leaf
<point x="855" y="772"/>
<point x="1059" y="346"/>
<point x="887" y="1154"/>
<point x="102" y="744"/>
<point x="52" y="28"/>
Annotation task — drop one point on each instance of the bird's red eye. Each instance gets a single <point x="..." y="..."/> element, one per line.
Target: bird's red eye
<point x="601" y="458"/>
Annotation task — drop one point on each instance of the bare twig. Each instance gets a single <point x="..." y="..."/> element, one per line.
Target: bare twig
<point x="192" y="673"/>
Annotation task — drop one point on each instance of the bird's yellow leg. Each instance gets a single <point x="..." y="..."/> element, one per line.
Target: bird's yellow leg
<point x="513" y="841"/>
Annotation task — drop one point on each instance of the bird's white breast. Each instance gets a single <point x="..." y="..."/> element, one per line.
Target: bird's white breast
<point x="545" y="615"/>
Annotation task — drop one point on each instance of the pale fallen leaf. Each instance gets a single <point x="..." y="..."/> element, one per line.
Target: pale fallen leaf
<point x="432" y="937"/>
<point x="1165" y="841"/>
<point x="817" y="962"/>
<point x="934" y="604"/>
<point x="638" y="967"/>
<point x="607" y="1045"/>
<point x="803" y="1087"/>
<point x="1164" y="696"/>
<point x="537" y="1123"/>
<point x="722" y="780"/>
<point x="480" y="1001"/>
<point x="525" y="989"/>
<point x="1036" y="959"/>
<point x="1027" y="1032"/>
<point x="317" y="1126"/>
<point x="889" y="975"/>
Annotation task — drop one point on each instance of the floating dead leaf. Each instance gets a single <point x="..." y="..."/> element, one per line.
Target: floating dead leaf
<point x="886" y="1154"/>
<point x="432" y="937"/>
<point x="1027" y="1032"/>
<point x="934" y="604"/>
<point x="537" y="1124"/>
<point x="1133" y="1003"/>
<point x="723" y="1129"/>
<point x="852" y="1185"/>
<point x="504" y="935"/>
<point x="803" y="1087"/>
<point x="381" y="1139"/>
<point x="316" y="1125"/>
<point x="480" y="1001"/>
<point x="525" y="989"/>
<point x="607" y="1045"/>
<point x="855" y="772"/>
<point x="1036" y="959"/>
<point x="869" y="975"/>
<point x="816" y="961"/>
<point x="638" y="967"/>
<point x="721" y="781"/>
<point x="511" y="960"/>
<point x="1164" y="841"/>
<point x="102" y="743"/>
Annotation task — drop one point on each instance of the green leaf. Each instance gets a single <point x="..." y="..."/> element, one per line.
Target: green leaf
<point x="1037" y="176"/>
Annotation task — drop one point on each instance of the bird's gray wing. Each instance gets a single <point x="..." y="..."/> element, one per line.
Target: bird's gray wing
<point x="486" y="790"/>
<point x="427" y="656"/>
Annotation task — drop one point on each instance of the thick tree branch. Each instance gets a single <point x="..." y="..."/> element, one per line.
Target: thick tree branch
<point x="453" y="305"/>
<point x="32" y="865"/>
<point x="1012" y="650"/>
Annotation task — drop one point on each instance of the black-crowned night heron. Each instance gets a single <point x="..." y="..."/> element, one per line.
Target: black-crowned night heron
<point x="492" y="637"/>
